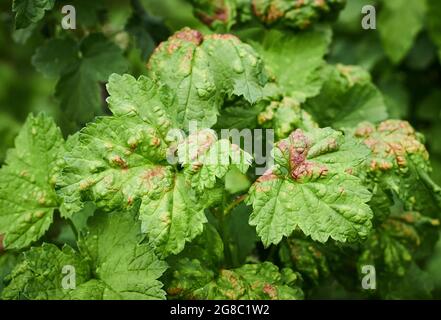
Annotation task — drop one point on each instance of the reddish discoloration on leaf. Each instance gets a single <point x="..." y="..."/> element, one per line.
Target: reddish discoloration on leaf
<point x="220" y="14"/>
<point x="1" y="243"/>
<point x="391" y="143"/>
<point x="174" y="291"/>
<point x="119" y="162"/>
<point x="150" y="176"/>
<point x="189" y="35"/>
<point x="270" y="290"/>
<point x="226" y="36"/>
<point x="297" y="147"/>
<point x="266" y="177"/>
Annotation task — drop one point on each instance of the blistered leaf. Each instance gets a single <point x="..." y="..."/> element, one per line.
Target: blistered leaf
<point x="252" y="282"/>
<point x="40" y="275"/>
<point x="113" y="162"/>
<point x="311" y="188"/>
<point x="307" y="257"/>
<point x="285" y="116"/>
<point x="144" y="98"/>
<point x="393" y="244"/>
<point x="399" y="163"/>
<point x="173" y="217"/>
<point x="206" y="159"/>
<point x="27" y="195"/>
<point x="296" y="15"/>
<point x="300" y="15"/>
<point x="204" y="70"/>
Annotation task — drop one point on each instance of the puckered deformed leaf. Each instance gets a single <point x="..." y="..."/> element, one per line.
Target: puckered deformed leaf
<point x="39" y="276"/>
<point x="295" y="61"/>
<point x="204" y="70"/>
<point x="143" y="97"/>
<point x="311" y="188"/>
<point x="392" y="245"/>
<point x="399" y="163"/>
<point x="173" y="217"/>
<point x="197" y="273"/>
<point x="346" y="99"/>
<point x="118" y="160"/>
<point x="110" y="264"/>
<point x="8" y="260"/>
<point x="28" y="12"/>
<point x="307" y="257"/>
<point x="27" y="195"/>
<point x="113" y="162"/>
<point x="399" y="22"/>
<point x="252" y="282"/>
<point x="205" y="158"/>
<point x="285" y="116"/>
<point x="298" y="15"/>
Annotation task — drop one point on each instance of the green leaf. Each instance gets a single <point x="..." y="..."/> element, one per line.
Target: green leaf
<point x="7" y="263"/>
<point x="285" y="116"/>
<point x="204" y="71"/>
<point x="295" y="61"/>
<point x="125" y="268"/>
<point x="346" y="99"/>
<point x="417" y="284"/>
<point x="191" y="280"/>
<point x="236" y="181"/>
<point x="434" y="23"/>
<point x="55" y="56"/>
<point x="110" y="265"/>
<point x="394" y="243"/>
<point x="242" y="237"/>
<point x="40" y="274"/>
<point x="28" y="12"/>
<point x="206" y="159"/>
<point x="79" y="88"/>
<point x="173" y="217"/>
<point x="119" y="160"/>
<point x="113" y="162"/>
<point x="222" y="15"/>
<point x="147" y="31"/>
<point x="239" y="117"/>
<point x="131" y="96"/>
<point x="399" y="163"/>
<point x="399" y="22"/>
<point x="27" y="195"/>
<point x="310" y="188"/>
<point x="307" y="257"/>
<point x="297" y="15"/>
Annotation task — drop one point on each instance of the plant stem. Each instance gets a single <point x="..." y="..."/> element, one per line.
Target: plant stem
<point x="234" y="204"/>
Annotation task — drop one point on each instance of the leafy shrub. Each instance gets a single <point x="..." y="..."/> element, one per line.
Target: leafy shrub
<point x="141" y="212"/>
